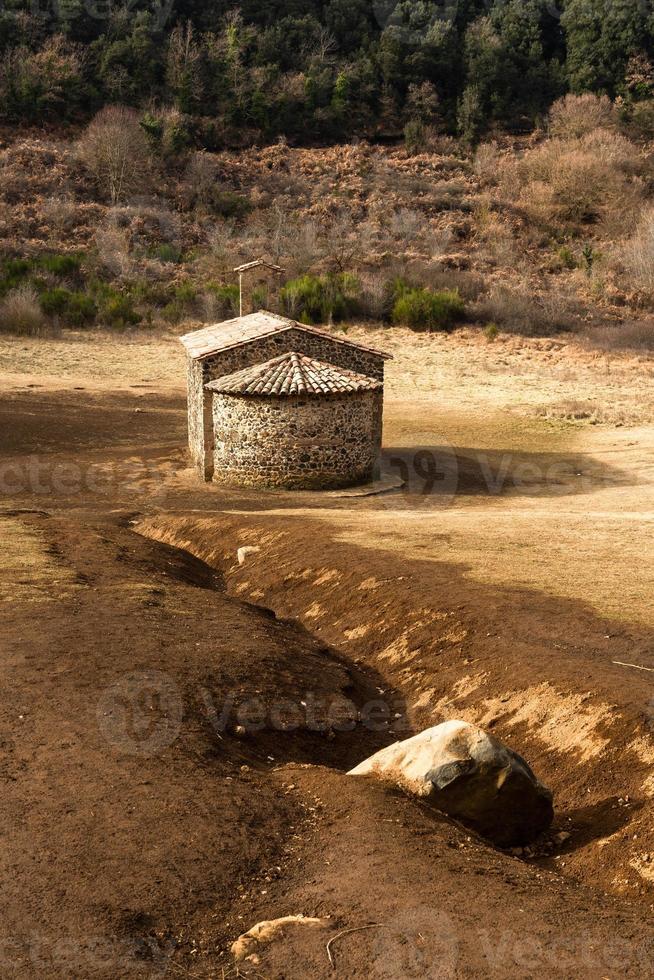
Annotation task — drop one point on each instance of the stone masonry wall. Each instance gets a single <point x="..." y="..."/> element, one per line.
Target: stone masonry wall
<point x="195" y="397"/>
<point x="256" y="352"/>
<point x="315" y="443"/>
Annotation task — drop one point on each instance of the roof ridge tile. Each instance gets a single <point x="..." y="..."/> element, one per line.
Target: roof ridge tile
<point x="293" y="374"/>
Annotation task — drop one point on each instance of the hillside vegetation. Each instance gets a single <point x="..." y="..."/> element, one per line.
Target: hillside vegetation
<point x="113" y="226"/>
<point x="324" y="69"/>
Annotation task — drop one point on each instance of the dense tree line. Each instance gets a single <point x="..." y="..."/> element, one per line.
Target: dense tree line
<point x="320" y="69"/>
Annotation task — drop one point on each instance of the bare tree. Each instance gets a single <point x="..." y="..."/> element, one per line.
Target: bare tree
<point x="344" y="239"/>
<point x="115" y="150"/>
<point x="201" y="179"/>
<point x="183" y="65"/>
<point x="322" y="50"/>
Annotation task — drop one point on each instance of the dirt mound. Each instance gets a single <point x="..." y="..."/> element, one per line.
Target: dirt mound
<point x="133" y="809"/>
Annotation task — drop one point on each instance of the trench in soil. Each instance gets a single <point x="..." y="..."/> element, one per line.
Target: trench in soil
<point x="433" y="645"/>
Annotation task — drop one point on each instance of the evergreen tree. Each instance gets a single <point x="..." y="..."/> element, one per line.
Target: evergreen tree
<point x="600" y="37"/>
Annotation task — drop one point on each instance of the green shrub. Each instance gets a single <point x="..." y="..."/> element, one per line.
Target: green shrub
<point x="414" y="136"/>
<point x="120" y="312"/>
<point x="229" y="204"/>
<point x="491" y="331"/>
<point x="167" y="253"/>
<point x="174" y="312"/>
<point x="182" y="298"/>
<point x="226" y="299"/>
<point x="152" y="293"/>
<point x="115" y="309"/>
<point x="60" y="265"/>
<point x="185" y="292"/>
<point x="76" y="308"/>
<point x="566" y="255"/>
<point x="169" y="132"/>
<point x="16" y="268"/>
<point x="590" y="257"/>
<point x="81" y="309"/>
<point x="641" y="119"/>
<point x="260" y="297"/>
<point x="54" y="302"/>
<point x="317" y="299"/>
<point x="422" y="309"/>
<point x="14" y="272"/>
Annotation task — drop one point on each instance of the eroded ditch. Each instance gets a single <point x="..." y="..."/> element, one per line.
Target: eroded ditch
<point x="537" y="672"/>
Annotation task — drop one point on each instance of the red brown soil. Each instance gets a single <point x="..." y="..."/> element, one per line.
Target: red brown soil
<point x="124" y="864"/>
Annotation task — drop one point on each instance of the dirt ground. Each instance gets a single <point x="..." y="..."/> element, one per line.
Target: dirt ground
<point x="176" y="727"/>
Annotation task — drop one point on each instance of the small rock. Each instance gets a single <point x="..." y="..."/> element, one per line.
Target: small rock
<point x="249" y="944"/>
<point x="242" y="553"/>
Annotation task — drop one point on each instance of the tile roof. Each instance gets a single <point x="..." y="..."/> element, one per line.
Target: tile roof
<point x="243" y="329"/>
<point x="293" y="374"/>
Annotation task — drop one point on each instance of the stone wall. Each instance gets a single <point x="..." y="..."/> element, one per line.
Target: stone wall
<point x="194" y="401"/>
<point x="315" y="443"/>
<point x="200" y="372"/>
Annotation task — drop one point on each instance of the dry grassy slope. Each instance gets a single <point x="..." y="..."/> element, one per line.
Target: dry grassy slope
<point x="438" y="216"/>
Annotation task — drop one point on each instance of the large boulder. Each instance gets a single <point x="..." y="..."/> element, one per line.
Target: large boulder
<point x="471" y="776"/>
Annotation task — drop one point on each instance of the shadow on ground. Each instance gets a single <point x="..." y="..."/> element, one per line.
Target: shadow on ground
<point x="443" y="471"/>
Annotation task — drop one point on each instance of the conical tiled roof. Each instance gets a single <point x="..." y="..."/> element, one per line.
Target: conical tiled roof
<point x="293" y="374"/>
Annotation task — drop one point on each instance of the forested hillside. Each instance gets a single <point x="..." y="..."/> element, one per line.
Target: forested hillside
<point x="323" y="69"/>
